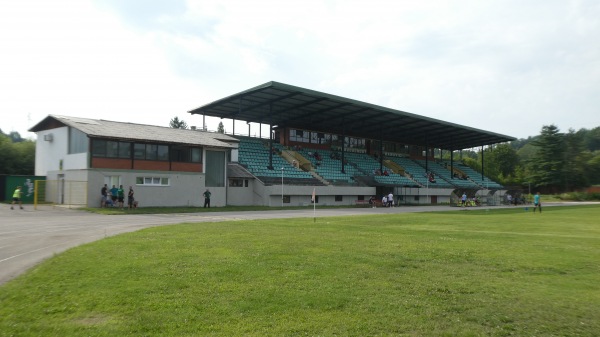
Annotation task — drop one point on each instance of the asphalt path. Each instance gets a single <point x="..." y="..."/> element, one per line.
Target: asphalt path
<point x="30" y="236"/>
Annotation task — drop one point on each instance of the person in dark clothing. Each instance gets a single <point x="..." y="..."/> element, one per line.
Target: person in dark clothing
<point x="206" y="195"/>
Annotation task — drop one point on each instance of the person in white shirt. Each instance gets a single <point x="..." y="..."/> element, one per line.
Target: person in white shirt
<point x="390" y="200"/>
<point x="384" y="201"/>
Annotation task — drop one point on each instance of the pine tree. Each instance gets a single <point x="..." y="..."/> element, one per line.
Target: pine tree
<point x="221" y="128"/>
<point x="547" y="166"/>
<point x="178" y="124"/>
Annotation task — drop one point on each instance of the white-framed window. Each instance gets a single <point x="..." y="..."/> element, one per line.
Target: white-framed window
<point x="112" y="181"/>
<point x="152" y="181"/>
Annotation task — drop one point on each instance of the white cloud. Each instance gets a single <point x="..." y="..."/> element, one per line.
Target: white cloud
<point x="508" y="67"/>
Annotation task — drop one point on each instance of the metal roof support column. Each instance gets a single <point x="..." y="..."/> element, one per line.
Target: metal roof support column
<point x="427" y="158"/>
<point x="203" y="122"/>
<point x="482" y="177"/>
<point x="270" y="137"/>
<point x="343" y="143"/>
<point x="381" y="151"/>
<point x="452" y="163"/>
<point x="233" y="134"/>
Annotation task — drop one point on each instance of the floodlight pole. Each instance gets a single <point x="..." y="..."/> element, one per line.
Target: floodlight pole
<point x="282" y="186"/>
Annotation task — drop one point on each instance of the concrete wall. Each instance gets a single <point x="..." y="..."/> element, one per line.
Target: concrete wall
<point x="241" y="196"/>
<point x="185" y="189"/>
<point x="301" y="195"/>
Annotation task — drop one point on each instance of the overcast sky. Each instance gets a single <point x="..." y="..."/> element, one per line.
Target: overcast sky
<point x="504" y="66"/>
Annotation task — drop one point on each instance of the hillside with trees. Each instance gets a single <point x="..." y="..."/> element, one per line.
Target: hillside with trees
<point x="17" y="155"/>
<point x="552" y="161"/>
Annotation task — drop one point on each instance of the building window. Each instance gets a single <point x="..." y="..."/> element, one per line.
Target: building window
<point x="111" y="149"/>
<point x="338" y="198"/>
<point x="152" y="181"/>
<point x="186" y="154"/>
<point x="360" y="197"/>
<point x="416" y="198"/>
<point x="78" y="141"/>
<point x="162" y="152"/>
<point x="111" y="181"/>
<point x="151" y="152"/>
<point x="287" y="199"/>
<point x="124" y="150"/>
<point x="99" y="148"/>
<point x="246" y="182"/>
<point x="236" y="182"/>
<point x="139" y="151"/>
<point x="316" y="199"/>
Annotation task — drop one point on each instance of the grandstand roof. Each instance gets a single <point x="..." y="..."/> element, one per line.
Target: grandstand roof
<point x="285" y="105"/>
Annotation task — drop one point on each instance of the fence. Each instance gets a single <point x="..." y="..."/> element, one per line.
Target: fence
<point x="60" y="192"/>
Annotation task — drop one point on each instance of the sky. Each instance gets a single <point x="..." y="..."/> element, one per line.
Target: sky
<point x="509" y="66"/>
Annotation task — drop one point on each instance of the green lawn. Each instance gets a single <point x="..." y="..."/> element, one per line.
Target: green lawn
<point x="502" y="272"/>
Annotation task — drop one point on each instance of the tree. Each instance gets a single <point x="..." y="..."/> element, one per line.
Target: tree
<point x="178" y="124"/>
<point x="575" y="161"/>
<point x="16" y="157"/>
<point x="547" y="164"/>
<point x="221" y="128"/>
<point x="591" y="138"/>
<point x="501" y="162"/>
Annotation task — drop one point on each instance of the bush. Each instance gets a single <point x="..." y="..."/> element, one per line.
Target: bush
<point x="579" y="196"/>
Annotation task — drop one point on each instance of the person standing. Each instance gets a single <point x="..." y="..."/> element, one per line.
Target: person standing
<point x="17" y="198"/>
<point x="536" y="202"/>
<point x="384" y="201"/>
<point x="463" y="199"/>
<point x="113" y="194"/>
<point x="509" y="199"/>
<point x="390" y="200"/>
<point x="104" y="195"/>
<point x="121" y="196"/>
<point x="206" y="195"/>
<point x="372" y="201"/>
<point x="130" y="198"/>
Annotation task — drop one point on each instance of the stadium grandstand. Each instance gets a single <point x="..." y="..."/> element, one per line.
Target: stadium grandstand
<point x="347" y="150"/>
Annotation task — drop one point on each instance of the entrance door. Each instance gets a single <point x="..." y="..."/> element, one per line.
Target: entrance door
<point x="434" y="199"/>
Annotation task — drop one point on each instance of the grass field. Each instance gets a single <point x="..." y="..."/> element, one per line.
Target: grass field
<point x="504" y="272"/>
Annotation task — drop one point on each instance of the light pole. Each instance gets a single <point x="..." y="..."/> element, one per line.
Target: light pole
<point x="282" y="186"/>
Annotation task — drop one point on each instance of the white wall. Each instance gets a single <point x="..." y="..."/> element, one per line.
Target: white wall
<point x="49" y="154"/>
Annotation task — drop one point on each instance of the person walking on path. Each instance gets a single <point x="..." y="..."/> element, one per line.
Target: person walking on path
<point x="536" y="202"/>
<point x="206" y="195"/>
<point x="17" y="198"/>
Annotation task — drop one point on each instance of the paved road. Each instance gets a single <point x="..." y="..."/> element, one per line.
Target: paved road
<point x="29" y="236"/>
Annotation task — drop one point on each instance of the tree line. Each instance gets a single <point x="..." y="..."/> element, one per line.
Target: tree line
<point x="552" y="162"/>
<point x="17" y="155"/>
